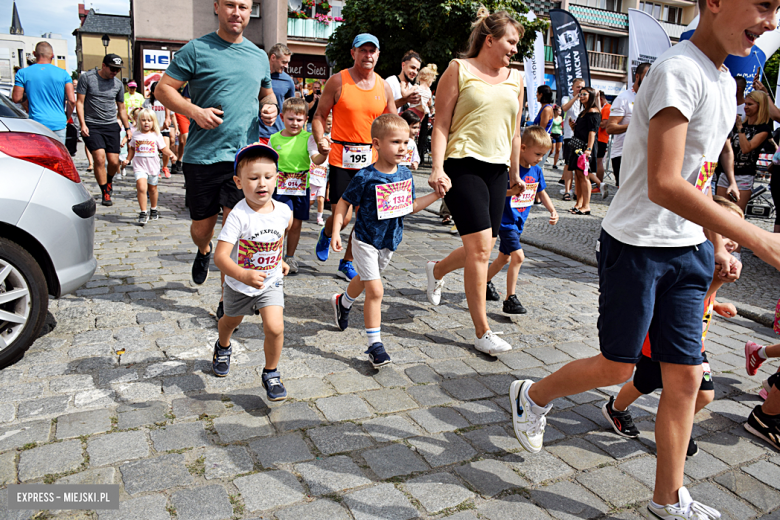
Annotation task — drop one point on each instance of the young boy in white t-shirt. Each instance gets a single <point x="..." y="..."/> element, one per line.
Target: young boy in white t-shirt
<point x="655" y="262"/>
<point x="249" y="253"/>
<point x="318" y="171"/>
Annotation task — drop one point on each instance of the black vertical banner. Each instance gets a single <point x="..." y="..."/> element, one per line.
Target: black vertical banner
<point x="571" y="56"/>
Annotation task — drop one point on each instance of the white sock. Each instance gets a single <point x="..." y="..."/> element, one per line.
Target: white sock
<point x="762" y="353"/>
<point x="374" y="335"/>
<point x="154" y="208"/>
<point x="319" y="216"/>
<point x="346" y="301"/>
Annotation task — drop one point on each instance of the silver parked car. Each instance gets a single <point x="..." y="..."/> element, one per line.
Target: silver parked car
<point x="47" y="228"/>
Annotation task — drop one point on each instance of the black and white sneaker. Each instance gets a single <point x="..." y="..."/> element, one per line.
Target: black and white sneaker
<point x="274" y="389"/>
<point x="200" y="267"/>
<point x="492" y="294"/>
<point x="154" y="214"/>
<point x="693" y="449"/>
<point x="513" y="306"/>
<point x="764" y="426"/>
<point x="621" y="422"/>
<point x="378" y="356"/>
<point x="143" y="218"/>
<point x="220" y="362"/>
<point x="340" y="313"/>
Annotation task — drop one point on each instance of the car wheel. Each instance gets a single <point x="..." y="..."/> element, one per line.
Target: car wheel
<point x="24" y="301"/>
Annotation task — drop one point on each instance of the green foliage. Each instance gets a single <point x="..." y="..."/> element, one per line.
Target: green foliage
<point x="771" y="69"/>
<point x="437" y="29"/>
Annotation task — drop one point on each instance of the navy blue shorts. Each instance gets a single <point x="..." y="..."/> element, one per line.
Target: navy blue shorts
<point x="652" y="290"/>
<point x="298" y="204"/>
<point x="556" y="138"/>
<point x="510" y="240"/>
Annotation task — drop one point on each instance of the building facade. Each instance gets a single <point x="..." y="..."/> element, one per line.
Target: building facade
<point x="90" y="48"/>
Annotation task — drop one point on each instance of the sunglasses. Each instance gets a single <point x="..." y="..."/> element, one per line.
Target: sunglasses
<point x="115" y="70"/>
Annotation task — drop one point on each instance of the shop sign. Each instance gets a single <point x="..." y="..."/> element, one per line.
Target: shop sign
<point x="308" y="66"/>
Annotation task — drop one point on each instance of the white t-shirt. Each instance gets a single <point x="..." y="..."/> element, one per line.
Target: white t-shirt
<point x="257" y="239"/>
<point x="412" y="155"/>
<point x="571" y="115"/>
<point x="622" y="106"/>
<point x="395" y="86"/>
<point x="684" y="78"/>
<point x="146" y="149"/>
<point x="318" y="173"/>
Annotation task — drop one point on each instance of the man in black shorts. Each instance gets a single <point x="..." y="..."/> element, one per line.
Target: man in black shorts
<point x="100" y="96"/>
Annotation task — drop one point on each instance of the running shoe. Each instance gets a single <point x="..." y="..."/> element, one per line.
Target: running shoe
<point x="513" y="306"/>
<point x="492" y="294"/>
<point x="764" y="426"/>
<point x="166" y="172"/>
<point x="347" y="270"/>
<point x="686" y="509"/>
<point x="491" y="344"/>
<point x="434" y="285"/>
<point x="293" y="263"/>
<point x="320" y="222"/>
<point x="693" y="448"/>
<point x="200" y="267"/>
<point x="529" y="421"/>
<point x="555" y="167"/>
<point x="106" y="198"/>
<point x="143" y="218"/>
<point x="752" y="360"/>
<point x="454" y="230"/>
<point x="110" y="188"/>
<point x="323" y="246"/>
<point x="220" y="362"/>
<point x="561" y="182"/>
<point x="118" y="176"/>
<point x="340" y="313"/>
<point x="621" y="422"/>
<point x="274" y="389"/>
<point x="378" y="356"/>
<point x="154" y="214"/>
<point x="604" y="190"/>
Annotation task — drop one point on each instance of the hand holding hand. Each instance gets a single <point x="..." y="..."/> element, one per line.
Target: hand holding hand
<point x="323" y="146"/>
<point x="439" y="181"/>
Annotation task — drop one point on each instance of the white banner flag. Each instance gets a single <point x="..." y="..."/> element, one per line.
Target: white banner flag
<point x="647" y="40"/>
<point x="534" y="71"/>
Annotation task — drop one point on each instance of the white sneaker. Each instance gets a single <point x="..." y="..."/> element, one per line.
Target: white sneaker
<point x="604" y="190"/>
<point x="320" y="222"/>
<point x="434" y="285"/>
<point x="293" y="263"/>
<point x="688" y="509"/>
<point x="528" y="420"/>
<point x="491" y="344"/>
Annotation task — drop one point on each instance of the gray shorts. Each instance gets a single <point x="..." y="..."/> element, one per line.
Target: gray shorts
<point x="744" y="182"/>
<point x="369" y="261"/>
<point x="239" y="304"/>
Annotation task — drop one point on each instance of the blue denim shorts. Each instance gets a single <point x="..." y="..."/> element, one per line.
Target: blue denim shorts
<point x="510" y="240"/>
<point x="652" y="290"/>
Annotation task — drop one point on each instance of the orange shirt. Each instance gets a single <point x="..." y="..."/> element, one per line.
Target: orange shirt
<point x="603" y="135"/>
<point x="706" y="319"/>
<point x="353" y="115"/>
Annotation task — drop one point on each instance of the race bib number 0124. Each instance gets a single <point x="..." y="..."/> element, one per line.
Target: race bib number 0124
<point x="355" y="157"/>
<point x="291" y="184"/>
<point x="525" y="199"/>
<point x="394" y="199"/>
<point x="262" y="256"/>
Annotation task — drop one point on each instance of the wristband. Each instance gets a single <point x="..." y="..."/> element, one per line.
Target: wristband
<point x="127" y="128"/>
<point x="741" y="130"/>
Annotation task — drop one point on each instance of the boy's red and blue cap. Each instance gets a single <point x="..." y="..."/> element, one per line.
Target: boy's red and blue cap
<point x="255" y="150"/>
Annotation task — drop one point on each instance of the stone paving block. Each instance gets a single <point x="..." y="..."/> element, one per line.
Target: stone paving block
<point x="382" y="502"/>
<point x="339" y="438"/>
<point x="451" y="368"/>
<point x="579" y="454"/>
<point x="7" y="412"/>
<point x="586" y="397"/>
<point x="117" y="447"/>
<point x="435" y="420"/>
<point x="135" y="392"/>
<point x="83" y="423"/>
<point x="518" y="360"/>
<point x="389" y="377"/>
<point x="571" y="423"/>
<point x="349" y="382"/>
<point x="183" y="384"/>
<point x="249" y="400"/>
<point x="91" y="477"/>
<point x="50" y="459"/>
<point x="728" y="505"/>
<point x="568" y="501"/>
<point x="22" y="392"/>
<point x="429" y="395"/>
<point x="443" y="449"/>
<point x="438" y="491"/>
<point x="156" y="474"/>
<point x="617" y="447"/>
<point x="317" y="510"/>
<point x="703" y="465"/>
<point x="643" y="469"/>
<point x="512" y="506"/>
<point x="308" y="388"/>
<point x="749" y="489"/>
<point x="394" y="460"/>
<point x="614" y="486"/>
<point x="730" y="449"/>
<point x="422" y="374"/>
<point x="140" y="414"/>
<point x="43" y="407"/>
<point x="8" y="468"/>
<point x="493" y="439"/>
<point x="331" y="475"/>
<point x="343" y="408"/>
<point x="117" y="375"/>
<point x="391" y="428"/>
<point x="466" y="389"/>
<point x="491" y="477"/>
<point x="202" y="503"/>
<point x="548" y="355"/>
<point x="282" y="449"/>
<point x="498" y="384"/>
<point x="20" y="434"/>
<point x="482" y="412"/>
<point x="243" y="426"/>
<point x="729" y="409"/>
<point x="149" y="507"/>
<point x="486" y="367"/>
<point x="194" y="407"/>
<point x="227" y="462"/>
<point x="389" y="400"/>
<point x="764" y="471"/>
<point x="71" y="384"/>
<point x="179" y="435"/>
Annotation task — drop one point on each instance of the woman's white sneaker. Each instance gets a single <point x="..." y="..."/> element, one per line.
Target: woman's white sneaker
<point x="434" y="285"/>
<point x="491" y="344"/>
<point x="687" y="509"/>
<point x="528" y="420"/>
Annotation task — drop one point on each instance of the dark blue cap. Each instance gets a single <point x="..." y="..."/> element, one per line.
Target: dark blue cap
<point x="255" y="150"/>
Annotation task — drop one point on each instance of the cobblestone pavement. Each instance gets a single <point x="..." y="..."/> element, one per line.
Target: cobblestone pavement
<point x="119" y="390"/>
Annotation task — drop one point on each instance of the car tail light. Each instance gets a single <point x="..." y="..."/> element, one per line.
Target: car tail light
<point x="41" y="150"/>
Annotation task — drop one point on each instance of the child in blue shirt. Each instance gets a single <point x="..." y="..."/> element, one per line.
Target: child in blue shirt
<point x="536" y="143"/>
<point x="382" y="194"/>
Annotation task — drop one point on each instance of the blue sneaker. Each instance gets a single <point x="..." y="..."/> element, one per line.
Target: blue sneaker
<point x="378" y="356"/>
<point x="347" y="270"/>
<point x="323" y="246"/>
<point x="274" y="389"/>
<point x="340" y="312"/>
<point x="220" y="363"/>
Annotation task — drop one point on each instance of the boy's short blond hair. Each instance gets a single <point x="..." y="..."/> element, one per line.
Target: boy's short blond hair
<point x="726" y="203"/>
<point x="295" y="105"/>
<point x="536" y="136"/>
<point x="386" y="123"/>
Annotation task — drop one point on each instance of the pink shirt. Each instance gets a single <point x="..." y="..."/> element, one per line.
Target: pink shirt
<point x="147" y="148"/>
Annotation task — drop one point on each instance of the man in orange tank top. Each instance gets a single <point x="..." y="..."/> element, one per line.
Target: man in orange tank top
<point x="365" y="97"/>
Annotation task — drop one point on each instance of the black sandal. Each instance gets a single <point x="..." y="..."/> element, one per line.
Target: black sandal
<point x="446" y="221"/>
<point x="579" y="212"/>
<point x="567" y="197"/>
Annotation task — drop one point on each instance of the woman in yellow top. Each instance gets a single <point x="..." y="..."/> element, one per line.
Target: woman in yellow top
<point x="476" y="139"/>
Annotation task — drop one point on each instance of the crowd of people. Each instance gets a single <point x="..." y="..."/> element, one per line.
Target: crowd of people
<point x="666" y="246"/>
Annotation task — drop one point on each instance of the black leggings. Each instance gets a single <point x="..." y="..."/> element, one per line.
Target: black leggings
<point x="774" y="188"/>
<point x="616" y="169"/>
<point x="476" y="199"/>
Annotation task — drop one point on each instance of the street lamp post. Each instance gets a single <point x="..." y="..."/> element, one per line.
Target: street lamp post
<point x="106" y="40"/>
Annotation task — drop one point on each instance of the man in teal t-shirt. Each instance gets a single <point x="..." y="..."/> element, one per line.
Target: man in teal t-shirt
<point x="227" y="75"/>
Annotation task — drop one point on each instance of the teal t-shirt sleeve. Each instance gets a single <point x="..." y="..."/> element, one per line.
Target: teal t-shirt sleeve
<point x="184" y="63"/>
<point x="266" y="81"/>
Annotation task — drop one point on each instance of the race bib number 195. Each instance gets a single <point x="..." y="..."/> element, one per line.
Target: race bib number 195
<point x="355" y="157"/>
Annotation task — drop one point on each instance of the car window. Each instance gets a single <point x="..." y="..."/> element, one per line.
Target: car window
<point x="9" y="109"/>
